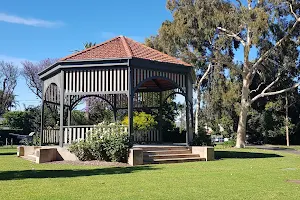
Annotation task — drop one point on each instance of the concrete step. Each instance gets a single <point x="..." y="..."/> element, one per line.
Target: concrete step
<point x="183" y="151"/>
<point x="162" y="148"/>
<point x="171" y="156"/>
<point x="30" y="157"/>
<point x="174" y="160"/>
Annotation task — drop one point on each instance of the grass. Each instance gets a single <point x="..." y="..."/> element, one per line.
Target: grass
<point x="239" y="174"/>
<point x="296" y="147"/>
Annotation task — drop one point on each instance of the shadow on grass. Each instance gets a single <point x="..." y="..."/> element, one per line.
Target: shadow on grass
<point x="7" y="153"/>
<point x="243" y="155"/>
<point x="24" y="174"/>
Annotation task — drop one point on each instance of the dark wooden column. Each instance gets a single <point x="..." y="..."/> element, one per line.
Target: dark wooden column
<point x="130" y="96"/>
<point x="69" y="111"/>
<point x="189" y="108"/>
<point x="160" y="118"/>
<point x="61" y="108"/>
<point x="42" y="116"/>
<point x="187" y="112"/>
<point x="115" y="107"/>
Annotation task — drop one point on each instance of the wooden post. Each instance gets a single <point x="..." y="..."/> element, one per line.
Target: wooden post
<point x="42" y="122"/>
<point x="115" y="107"/>
<point x="187" y="111"/>
<point x="69" y="111"/>
<point x="42" y="116"/>
<point x="61" y="109"/>
<point x="130" y="102"/>
<point x="160" y="118"/>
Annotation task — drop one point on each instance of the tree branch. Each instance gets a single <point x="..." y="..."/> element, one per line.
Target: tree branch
<point x="271" y="84"/>
<point x="240" y="3"/>
<point x="277" y="44"/>
<point x="257" y="87"/>
<point x="199" y="83"/>
<point x="264" y="93"/>
<point x="231" y="34"/>
<point x="292" y="11"/>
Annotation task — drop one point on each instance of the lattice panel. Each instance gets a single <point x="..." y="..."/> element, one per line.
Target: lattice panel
<point x="100" y="80"/>
<point x="142" y="74"/>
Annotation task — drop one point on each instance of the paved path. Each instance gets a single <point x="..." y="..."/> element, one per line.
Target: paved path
<point x="280" y="149"/>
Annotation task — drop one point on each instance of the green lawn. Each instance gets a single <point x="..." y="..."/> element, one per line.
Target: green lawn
<point x="261" y="175"/>
<point x="296" y="147"/>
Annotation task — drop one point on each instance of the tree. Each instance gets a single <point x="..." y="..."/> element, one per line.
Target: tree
<point x="141" y="121"/>
<point x="30" y="73"/>
<point x="210" y="30"/>
<point x="8" y="81"/>
<point x="86" y="45"/>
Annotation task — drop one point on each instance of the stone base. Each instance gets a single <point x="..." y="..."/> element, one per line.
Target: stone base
<point x="135" y="157"/>
<point x="206" y="152"/>
<point x="42" y="154"/>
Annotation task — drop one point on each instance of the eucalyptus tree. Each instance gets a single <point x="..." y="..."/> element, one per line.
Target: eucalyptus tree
<point x="265" y="33"/>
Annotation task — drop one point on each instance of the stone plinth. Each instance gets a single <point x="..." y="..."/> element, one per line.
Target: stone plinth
<point x="206" y="152"/>
<point x="135" y="157"/>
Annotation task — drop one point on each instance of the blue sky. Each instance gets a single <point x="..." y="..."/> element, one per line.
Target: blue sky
<point x="35" y="30"/>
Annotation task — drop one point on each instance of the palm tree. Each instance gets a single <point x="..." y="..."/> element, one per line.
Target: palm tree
<point x="86" y="46"/>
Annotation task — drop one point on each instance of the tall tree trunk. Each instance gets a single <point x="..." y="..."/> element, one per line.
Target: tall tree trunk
<point x="241" y="131"/>
<point x="287" y="120"/>
<point x="197" y="112"/>
<point x="199" y="98"/>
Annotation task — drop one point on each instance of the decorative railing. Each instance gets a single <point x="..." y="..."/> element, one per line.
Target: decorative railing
<point x="74" y="133"/>
<point x="51" y="136"/>
<point x="149" y="136"/>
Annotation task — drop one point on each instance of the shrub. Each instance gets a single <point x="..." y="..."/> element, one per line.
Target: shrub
<point x="229" y="143"/>
<point x="82" y="149"/>
<point x="106" y="142"/>
<point x="141" y="121"/>
<point x="201" y="139"/>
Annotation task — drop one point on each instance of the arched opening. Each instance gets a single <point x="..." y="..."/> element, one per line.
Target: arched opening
<point x="91" y="110"/>
<point x="157" y="96"/>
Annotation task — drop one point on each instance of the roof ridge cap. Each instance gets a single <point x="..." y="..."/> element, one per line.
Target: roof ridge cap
<point x="126" y="46"/>
<point x="88" y="49"/>
<point x="182" y="62"/>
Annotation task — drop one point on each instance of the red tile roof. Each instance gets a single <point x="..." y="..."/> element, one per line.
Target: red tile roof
<point x="123" y="47"/>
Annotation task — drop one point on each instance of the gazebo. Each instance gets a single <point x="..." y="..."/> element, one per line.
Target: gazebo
<point x="123" y="73"/>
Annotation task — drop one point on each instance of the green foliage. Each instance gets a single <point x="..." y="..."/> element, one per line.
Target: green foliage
<point x="14" y="119"/>
<point x="82" y="149"/>
<point x="202" y="139"/>
<point x="78" y="118"/>
<point x="229" y="143"/>
<point x="28" y="120"/>
<point x="141" y="121"/>
<point x="109" y="142"/>
<point x="212" y="31"/>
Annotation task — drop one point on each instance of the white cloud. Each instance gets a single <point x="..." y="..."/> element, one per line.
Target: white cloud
<point x="28" y="21"/>
<point x="110" y="35"/>
<point x="15" y="60"/>
<point x="11" y="59"/>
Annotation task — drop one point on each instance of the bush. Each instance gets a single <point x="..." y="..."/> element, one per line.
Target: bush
<point x="141" y="121"/>
<point x="82" y="149"/>
<point x="229" y="143"/>
<point x="106" y="142"/>
<point x="201" y="139"/>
